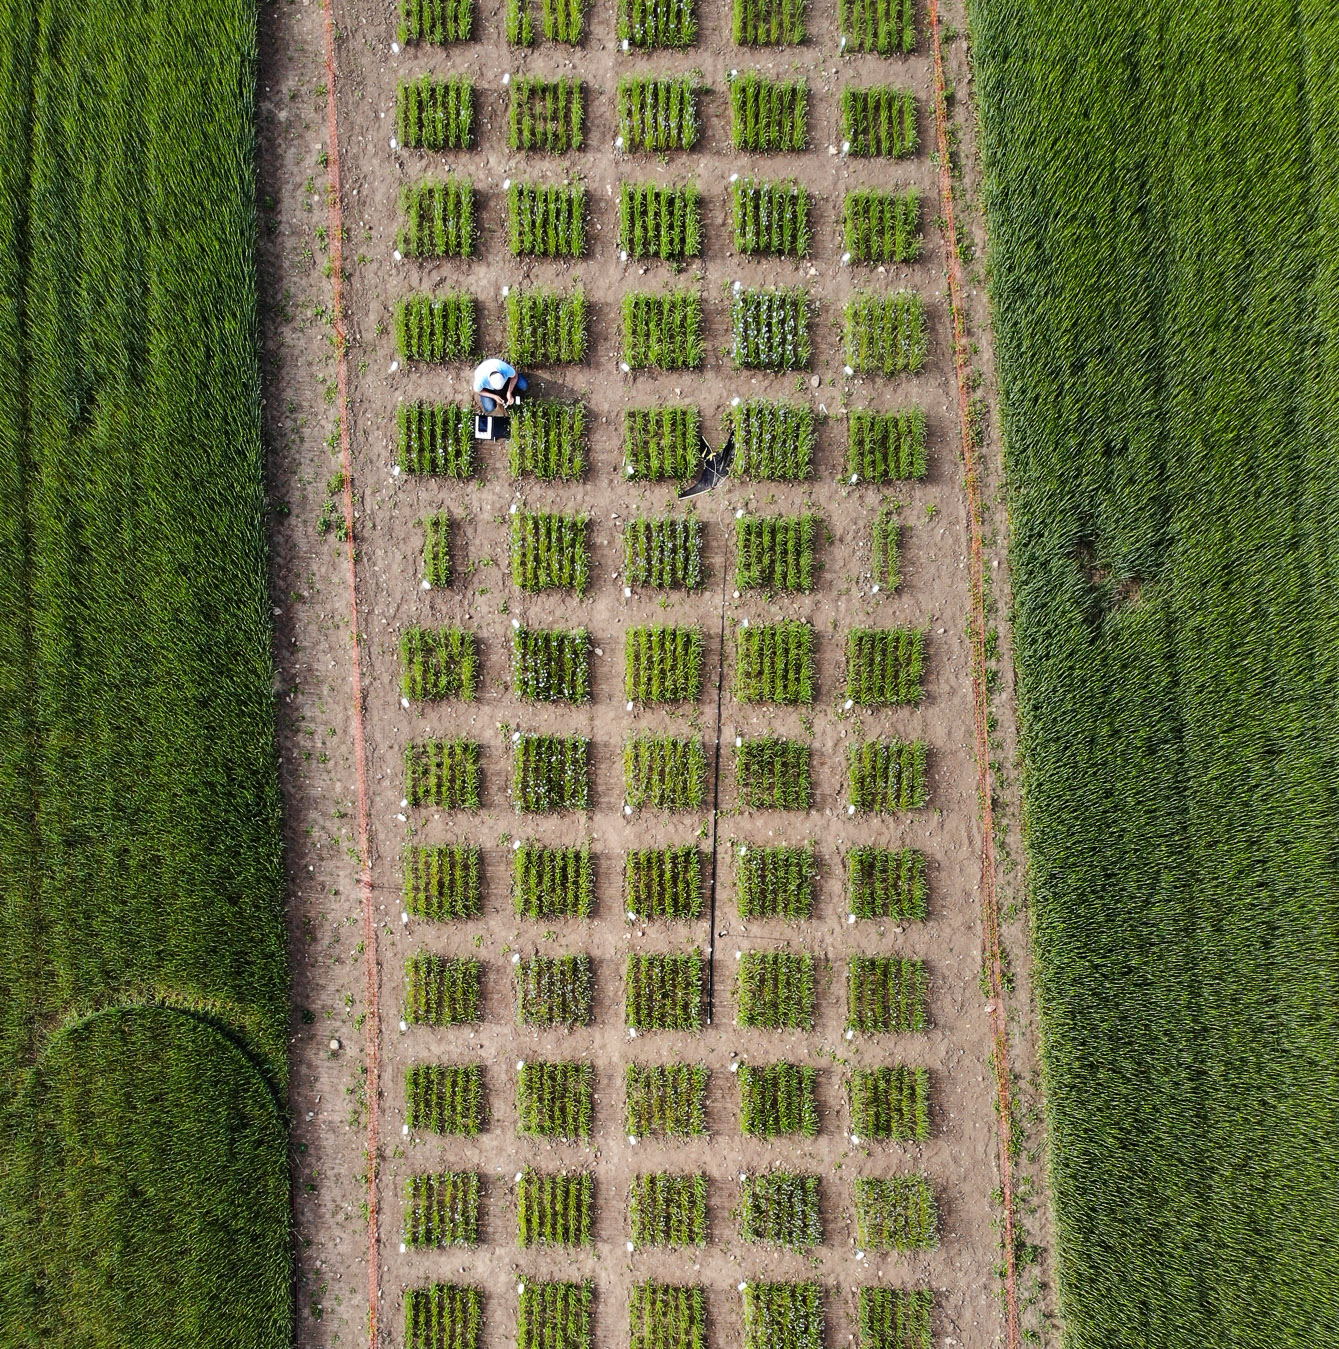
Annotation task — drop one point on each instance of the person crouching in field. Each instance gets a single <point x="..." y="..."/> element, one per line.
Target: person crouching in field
<point x="498" y="385"/>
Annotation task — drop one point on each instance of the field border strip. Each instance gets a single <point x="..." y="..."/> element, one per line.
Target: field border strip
<point x="990" y="909"/>
<point x="372" y="1023"/>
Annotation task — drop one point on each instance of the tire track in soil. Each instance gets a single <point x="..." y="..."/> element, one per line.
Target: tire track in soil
<point x="990" y="908"/>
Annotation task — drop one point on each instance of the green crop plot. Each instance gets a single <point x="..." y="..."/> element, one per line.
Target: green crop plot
<point x="781" y="1208"/>
<point x="886" y="549"/>
<point x="436" y="328"/>
<point x="438" y="663"/>
<point x="555" y="1316"/>
<point x="555" y="1100"/>
<point x="436" y="439"/>
<point x="666" y="1316"/>
<point x="441" y="1315"/>
<point x="773" y="774"/>
<point x="545" y="328"/>
<point x="885" y="994"/>
<point x="548" y="440"/>
<point x="668" y="1210"/>
<point x="881" y="227"/>
<point x="660" y="222"/>
<point x="665" y="992"/>
<point x="771" y="219"/>
<point x="774" y="990"/>
<point x="551" y="772"/>
<point x="443" y="773"/>
<point x="546" y="222"/>
<point x="442" y="1210"/>
<point x="778" y="1100"/>
<point x="774" y="442"/>
<point x="663" y="551"/>
<point x="439" y="220"/>
<point x="437" y="550"/>
<point x="663" y="664"/>
<point x="662" y="444"/>
<point x="445" y="1098"/>
<point x="664" y="773"/>
<point x="432" y="114"/>
<point x="665" y="1100"/>
<point x="886" y="883"/>
<point x="885" y="446"/>
<point x="885" y="334"/>
<point x="884" y="666"/>
<point x="879" y="121"/>
<point x="555" y="1209"/>
<point x="553" y="882"/>
<point x="890" y="1102"/>
<point x="646" y="24"/>
<point x="769" y="23"/>
<point x="546" y="114"/>
<point x="549" y="552"/>
<point x="443" y="881"/>
<point x="443" y="990"/>
<point x="774" y="662"/>
<point x="662" y="332"/>
<point x="559" y="21"/>
<point x="439" y="21"/>
<point x="551" y="667"/>
<point x="555" y="991"/>
<point x="775" y="552"/>
<point x="783" y="1316"/>
<point x="896" y="1318"/>
<point x="657" y="114"/>
<point x="887" y="27"/>
<point x="769" y="329"/>
<point x="768" y="115"/>
<point x="775" y="882"/>
<point x="896" y="1214"/>
<point x="888" y="775"/>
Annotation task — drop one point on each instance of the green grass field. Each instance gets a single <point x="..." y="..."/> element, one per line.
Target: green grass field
<point x="144" y="1187"/>
<point x="1164" y="211"/>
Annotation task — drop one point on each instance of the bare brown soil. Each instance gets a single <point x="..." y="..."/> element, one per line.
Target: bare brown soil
<point x="316" y="703"/>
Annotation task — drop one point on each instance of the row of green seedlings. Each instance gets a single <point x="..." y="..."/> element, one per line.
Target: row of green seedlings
<point x="433" y="114"/>
<point x="549" y="552"/>
<point x="774" y="662"/>
<point x="665" y="992"/>
<point x="887" y="883"/>
<point x="555" y="1100"/>
<point x="548" y="440"/>
<point x="662" y="883"/>
<point x="442" y="1210"/>
<point x="668" y="1210"/>
<point x="436" y="328"/>
<point x="555" y="991"/>
<point x="443" y="773"/>
<point x="443" y="1314"/>
<point x="775" y="882"/>
<point x="769" y="329"/>
<point x="446" y="1098"/>
<point x="662" y="332"/>
<point x="438" y="663"/>
<point x="545" y="328"/>
<point x="550" y="772"/>
<point x="647" y="24"/>
<point x="436" y="439"/>
<point x="783" y="1315"/>
<point x="886" y="775"/>
<point x="774" y="990"/>
<point x="887" y="27"/>
<point x="891" y="1102"/>
<point x="665" y="1100"/>
<point x="885" y="334"/>
<point x="769" y="23"/>
<point x="551" y="666"/>
<point x="546" y="222"/>
<point x="664" y="773"/>
<point x="774" y="441"/>
<point x="884" y="666"/>
<point x="657" y="113"/>
<point x="781" y="1208"/>
<point x="772" y="774"/>
<point x="886" y="994"/>
<point x="775" y="553"/>
<point x="662" y="444"/>
<point x="664" y="552"/>
<point x="666" y="1316"/>
<point x="439" y="21"/>
<point x="885" y="446"/>
<point x="439" y="220"/>
<point x="778" y="1100"/>
<point x="443" y="881"/>
<point x="882" y="227"/>
<point x="886" y="549"/>
<point x="663" y="664"/>
<point x="771" y="219"/>
<point x="659" y="222"/>
<point x="559" y="21"/>
<point x="546" y="114"/>
<point x="769" y="116"/>
<point x="555" y="1316"/>
<point x="896" y="1214"/>
<point x="552" y="882"/>
<point x="443" y="990"/>
<point x="437" y="551"/>
<point x="879" y="121"/>
<point x="555" y="1209"/>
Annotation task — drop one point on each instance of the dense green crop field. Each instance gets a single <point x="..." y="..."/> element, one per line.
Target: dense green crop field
<point x="144" y="1188"/>
<point x="1164" y="206"/>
